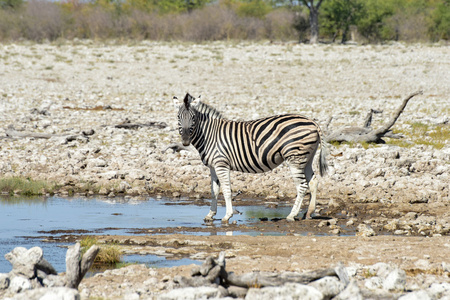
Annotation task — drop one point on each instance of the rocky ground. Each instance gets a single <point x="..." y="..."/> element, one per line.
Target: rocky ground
<point x="72" y="96"/>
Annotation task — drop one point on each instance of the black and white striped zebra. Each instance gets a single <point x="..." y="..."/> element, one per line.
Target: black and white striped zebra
<point x="252" y="147"/>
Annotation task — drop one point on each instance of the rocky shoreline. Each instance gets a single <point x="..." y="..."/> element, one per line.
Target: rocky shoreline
<point x="32" y="277"/>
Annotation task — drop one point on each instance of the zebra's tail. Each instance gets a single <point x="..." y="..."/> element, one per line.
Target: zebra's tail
<point x="323" y="165"/>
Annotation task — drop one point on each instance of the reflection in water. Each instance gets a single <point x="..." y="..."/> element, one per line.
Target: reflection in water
<point x="22" y="200"/>
<point x="23" y="220"/>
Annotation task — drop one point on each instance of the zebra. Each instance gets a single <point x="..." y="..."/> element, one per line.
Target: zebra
<point x="252" y="147"/>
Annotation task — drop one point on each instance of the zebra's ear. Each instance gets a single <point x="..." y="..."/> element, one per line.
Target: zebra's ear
<point x="176" y="103"/>
<point x="195" y="101"/>
<point x="188" y="99"/>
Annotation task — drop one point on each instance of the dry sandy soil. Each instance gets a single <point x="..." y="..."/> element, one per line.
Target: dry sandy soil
<point x="64" y="89"/>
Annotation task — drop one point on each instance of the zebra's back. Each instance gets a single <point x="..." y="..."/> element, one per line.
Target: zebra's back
<point x="261" y="145"/>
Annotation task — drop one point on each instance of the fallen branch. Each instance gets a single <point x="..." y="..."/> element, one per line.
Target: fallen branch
<point x="263" y="279"/>
<point x="14" y="134"/>
<point x="176" y="147"/>
<point x="128" y="125"/>
<point x="212" y="272"/>
<point x="365" y="133"/>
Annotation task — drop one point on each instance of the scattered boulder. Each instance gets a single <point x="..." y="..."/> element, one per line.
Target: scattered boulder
<point x="365" y="230"/>
<point x="55" y="293"/>
<point x="19" y="284"/>
<point x="192" y="293"/>
<point x="328" y="286"/>
<point x="4" y="281"/>
<point x="287" y="291"/>
<point x="351" y="292"/>
<point x="33" y="277"/>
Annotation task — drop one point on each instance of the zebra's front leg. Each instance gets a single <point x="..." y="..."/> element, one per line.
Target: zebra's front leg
<point x="298" y="175"/>
<point x="215" y="188"/>
<point x="223" y="173"/>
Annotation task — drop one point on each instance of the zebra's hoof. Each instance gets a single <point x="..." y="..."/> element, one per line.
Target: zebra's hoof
<point x="310" y="216"/>
<point x="226" y="218"/>
<point x="208" y="219"/>
<point x="290" y="219"/>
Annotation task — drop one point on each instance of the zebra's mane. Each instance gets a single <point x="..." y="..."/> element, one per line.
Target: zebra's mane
<point x="208" y="110"/>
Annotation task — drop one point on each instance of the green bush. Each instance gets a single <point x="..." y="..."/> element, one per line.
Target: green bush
<point x="439" y="21"/>
<point x="254" y="8"/>
<point x="338" y="15"/>
<point x="11" y="4"/>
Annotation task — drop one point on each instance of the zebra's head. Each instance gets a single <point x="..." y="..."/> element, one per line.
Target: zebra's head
<point x="187" y="117"/>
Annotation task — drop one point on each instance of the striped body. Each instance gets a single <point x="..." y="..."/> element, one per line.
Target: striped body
<point x="255" y="146"/>
<point x="252" y="147"/>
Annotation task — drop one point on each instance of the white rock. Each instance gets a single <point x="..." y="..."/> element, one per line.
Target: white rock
<point x="374" y="283"/>
<point x="4" y="281"/>
<point x="190" y="293"/>
<point x="395" y="281"/>
<point x="24" y="261"/>
<point x="439" y="290"/>
<point x="328" y="286"/>
<point x="19" y="284"/>
<point x="365" y="230"/>
<point x="417" y="295"/>
<point x="287" y="291"/>
<point x="380" y="269"/>
<point x="58" y="293"/>
<point x="351" y="292"/>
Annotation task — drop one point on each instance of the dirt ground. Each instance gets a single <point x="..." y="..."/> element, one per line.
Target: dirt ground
<point x="276" y="245"/>
<point x="422" y="258"/>
<point x="295" y="253"/>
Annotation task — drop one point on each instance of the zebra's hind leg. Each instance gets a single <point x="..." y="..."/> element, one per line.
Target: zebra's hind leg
<point x="215" y="188"/>
<point x="297" y="167"/>
<point x="312" y="182"/>
<point x="223" y="173"/>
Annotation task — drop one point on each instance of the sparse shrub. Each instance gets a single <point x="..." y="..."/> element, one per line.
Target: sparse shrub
<point x="279" y="25"/>
<point x="302" y="26"/>
<point x="210" y="23"/>
<point x="108" y="255"/>
<point x="253" y="8"/>
<point x="25" y="186"/>
<point x="374" y="20"/>
<point x="42" y="20"/>
<point x="9" y="25"/>
<point x="408" y="23"/>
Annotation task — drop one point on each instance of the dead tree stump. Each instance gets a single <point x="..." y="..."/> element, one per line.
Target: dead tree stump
<point x="76" y="268"/>
<point x="367" y="134"/>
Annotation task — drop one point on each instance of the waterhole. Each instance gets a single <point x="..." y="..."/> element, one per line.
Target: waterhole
<point x="55" y="223"/>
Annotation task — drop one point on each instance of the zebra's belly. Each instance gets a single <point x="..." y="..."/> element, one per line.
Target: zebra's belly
<point x="261" y="167"/>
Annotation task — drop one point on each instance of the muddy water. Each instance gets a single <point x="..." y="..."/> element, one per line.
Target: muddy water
<point x="54" y="223"/>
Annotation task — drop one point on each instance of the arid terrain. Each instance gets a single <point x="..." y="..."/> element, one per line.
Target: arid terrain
<point x="61" y="107"/>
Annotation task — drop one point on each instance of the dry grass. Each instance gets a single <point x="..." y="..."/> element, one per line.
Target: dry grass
<point x="109" y="254"/>
<point x="423" y="134"/>
<point x="43" y="20"/>
<point x="25" y="186"/>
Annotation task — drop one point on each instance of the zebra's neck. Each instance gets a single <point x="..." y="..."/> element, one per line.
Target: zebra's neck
<point x="207" y="116"/>
<point x="208" y="111"/>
